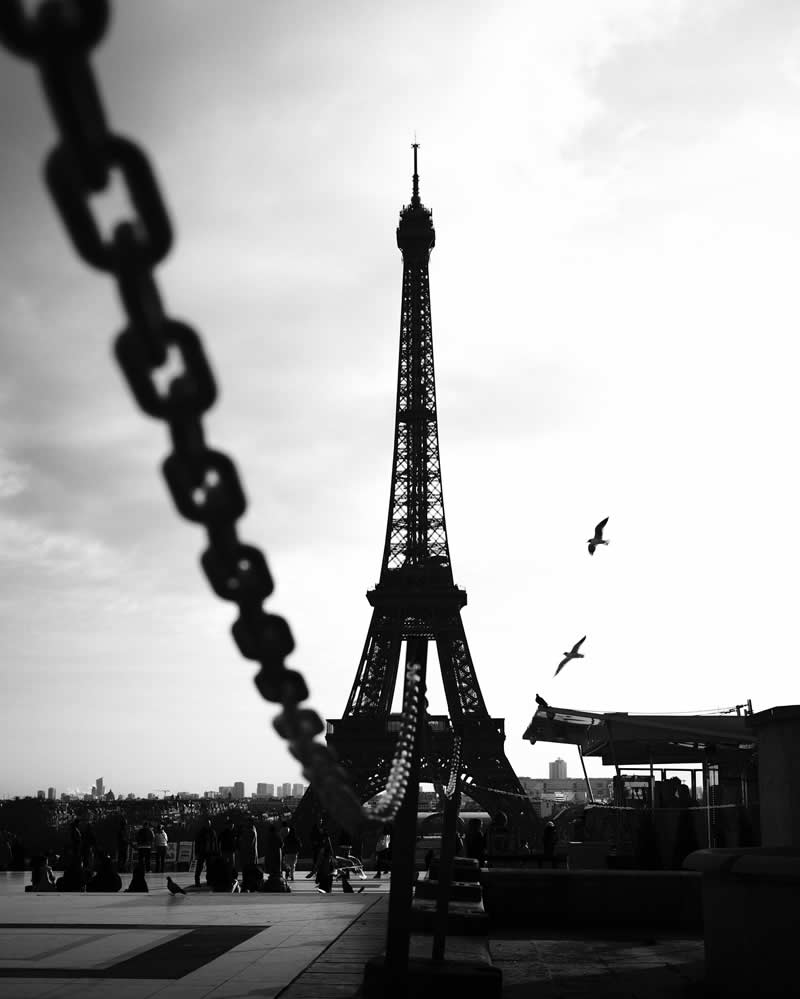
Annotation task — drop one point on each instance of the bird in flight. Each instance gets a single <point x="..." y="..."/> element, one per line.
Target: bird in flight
<point x="173" y="888"/>
<point x="572" y="654"/>
<point x="598" y="537"/>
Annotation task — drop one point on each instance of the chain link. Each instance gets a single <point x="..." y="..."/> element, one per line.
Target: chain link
<point x="203" y="483"/>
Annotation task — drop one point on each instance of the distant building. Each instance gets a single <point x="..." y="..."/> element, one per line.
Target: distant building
<point x="558" y="769"/>
<point x="51" y="794"/>
<point x="211" y="794"/>
<point x="573" y="787"/>
<point x="100" y="787"/>
<point x="286" y="789"/>
<point x="40" y="795"/>
<point x="152" y="797"/>
<point x="298" y="790"/>
<point x="225" y="791"/>
<point x="65" y="796"/>
<point x="130" y="797"/>
<point x="261" y="790"/>
<point x="238" y="789"/>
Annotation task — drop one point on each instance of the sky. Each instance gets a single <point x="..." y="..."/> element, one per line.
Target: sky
<point x="614" y="191"/>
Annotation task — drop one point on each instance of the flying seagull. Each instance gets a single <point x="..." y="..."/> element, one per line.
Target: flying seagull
<point x="173" y="888"/>
<point x="572" y="654"/>
<point x="598" y="537"/>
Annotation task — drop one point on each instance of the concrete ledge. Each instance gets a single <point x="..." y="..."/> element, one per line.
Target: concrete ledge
<point x="463" y="918"/>
<point x="460" y="891"/>
<point x="751" y="899"/>
<point x="593" y="898"/>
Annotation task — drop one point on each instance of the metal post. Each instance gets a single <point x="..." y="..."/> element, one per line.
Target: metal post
<point x="585" y="777"/>
<point x="404" y="845"/>
<point x="652" y="785"/>
<point x="446" y="854"/>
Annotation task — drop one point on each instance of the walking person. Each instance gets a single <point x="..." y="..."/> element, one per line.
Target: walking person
<point x="160" y="842"/>
<point x="205" y="847"/>
<point x="383" y="851"/>
<point x="228" y="842"/>
<point x="291" y="851"/>
<point x="326" y="866"/>
<point x="273" y="852"/>
<point x="319" y="837"/>
<point x="144" y="844"/>
<point x="248" y="845"/>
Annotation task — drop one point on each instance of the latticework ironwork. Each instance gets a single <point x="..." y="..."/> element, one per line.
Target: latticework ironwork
<point x="416" y="596"/>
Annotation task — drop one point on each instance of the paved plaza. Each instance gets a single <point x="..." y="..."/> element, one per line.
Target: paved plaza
<point x="298" y="946"/>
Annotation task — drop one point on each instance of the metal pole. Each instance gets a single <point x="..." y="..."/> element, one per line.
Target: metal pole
<point x="652" y="784"/>
<point x="585" y="777"/>
<point x="404" y="844"/>
<point x="446" y="854"/>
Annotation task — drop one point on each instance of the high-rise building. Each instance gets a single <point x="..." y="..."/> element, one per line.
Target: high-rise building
<point x="51" y="794"/>
<point x="270" y="790"/>
<point x="298" y="790"/>
<point x="225" y="791"/>
<point x="261" y="790"/>
<point x="40" y="794"/>
<point x="100" y="787"/>
<point x="286" y="789"/>
<point x="238" y="789"/>
<point x="558" y="769"/>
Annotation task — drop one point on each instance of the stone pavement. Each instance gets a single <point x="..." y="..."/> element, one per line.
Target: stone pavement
<point x="299" y="946"/>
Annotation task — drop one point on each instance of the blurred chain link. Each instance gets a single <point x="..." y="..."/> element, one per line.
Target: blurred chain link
<point x="204" y="483"/>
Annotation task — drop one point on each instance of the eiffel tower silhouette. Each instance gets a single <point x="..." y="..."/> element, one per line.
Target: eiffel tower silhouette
<point x="416" y="597"/>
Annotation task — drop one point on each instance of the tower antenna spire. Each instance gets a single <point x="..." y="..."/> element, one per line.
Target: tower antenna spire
<point x="415" y="189"/>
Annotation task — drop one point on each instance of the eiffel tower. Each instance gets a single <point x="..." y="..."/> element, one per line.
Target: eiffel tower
<point x="416" y="597"/>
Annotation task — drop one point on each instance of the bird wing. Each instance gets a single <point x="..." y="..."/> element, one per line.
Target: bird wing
<point x="577" y="645"/>
<point x="565" y="660"/>
<point x="591" y="548"/>
<point x="598" y="531"/>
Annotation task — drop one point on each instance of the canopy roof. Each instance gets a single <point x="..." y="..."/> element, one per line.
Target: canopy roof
<point x="623" y="739"/>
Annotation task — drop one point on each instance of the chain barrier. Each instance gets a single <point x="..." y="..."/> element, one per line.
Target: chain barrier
<point x="455" y="768"/>
<point x="203" y="483"/>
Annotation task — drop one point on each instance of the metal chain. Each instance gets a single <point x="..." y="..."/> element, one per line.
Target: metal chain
<point x="203" y="483"/>
<point x="455" y="768"/>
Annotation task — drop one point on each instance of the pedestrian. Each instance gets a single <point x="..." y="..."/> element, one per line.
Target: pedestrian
<point x="123" y="839"/>
<point x="325" y="869"/>
<point x="383" y="851"/>
<point x="248" y="844"/>
<point x="160" y="842"/>
<point x="88" y="845"/>
<point x="318" y="838"/>
<point x="475" y="841"/>
<point x="273" y="852"/>
<point x="549" y="837"/>
<point x="228" y="842"/>
<point x="205" y="847"/>
<point x="144" y="844"/>
<point x="291" y="851"/>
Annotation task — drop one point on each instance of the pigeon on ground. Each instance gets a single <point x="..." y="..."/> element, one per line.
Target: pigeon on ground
<point x="572" y="654"/>
<point x="598" y="537"/>
<point x="174" y="889"/>
<point x="541" y="702"/>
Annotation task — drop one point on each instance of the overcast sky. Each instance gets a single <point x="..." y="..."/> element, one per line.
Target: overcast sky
<point x="614" y="186"/>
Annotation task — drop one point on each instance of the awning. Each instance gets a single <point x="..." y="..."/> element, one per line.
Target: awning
<point x="623" y="739"/>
